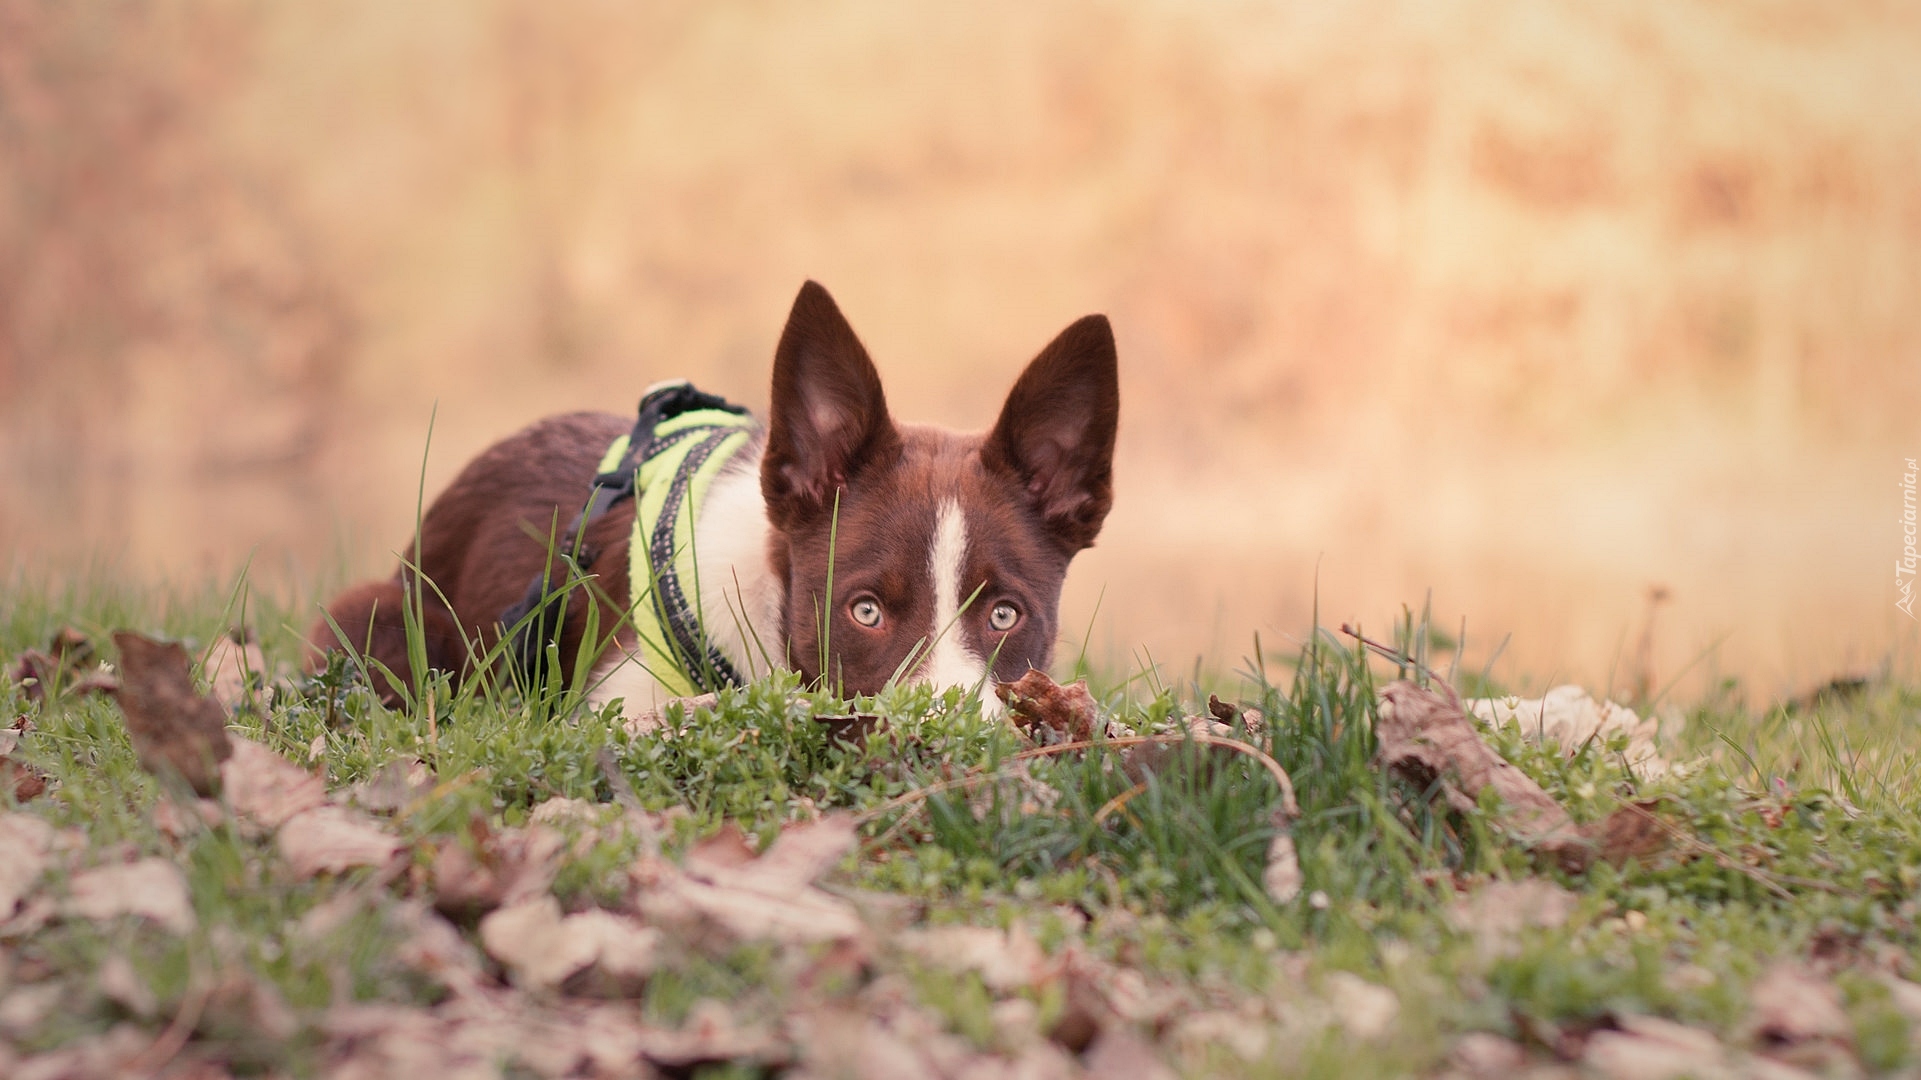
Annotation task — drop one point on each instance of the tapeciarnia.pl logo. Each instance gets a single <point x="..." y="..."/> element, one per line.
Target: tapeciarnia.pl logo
<point x="1904" y="566"/>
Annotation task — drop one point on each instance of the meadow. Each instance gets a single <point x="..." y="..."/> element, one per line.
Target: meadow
<point x="516" y="885"/>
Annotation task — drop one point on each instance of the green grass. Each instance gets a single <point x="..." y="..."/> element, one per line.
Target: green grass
<point x="1804" y="842"/>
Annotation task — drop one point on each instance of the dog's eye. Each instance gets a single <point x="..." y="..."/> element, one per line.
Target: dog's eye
<point x="865" y="611"/>
<point x="1003" y="617"/>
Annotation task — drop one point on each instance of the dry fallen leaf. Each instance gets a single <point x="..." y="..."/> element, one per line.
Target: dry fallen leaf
<point x="1483" y="1055"/>
<point x="1425" y="738"/>
<point x="798" y="857"/>
<point x="845" y="1042"/>
<point x="24" y="843"/>
<point x="35" y="672"/>
<point x="1498" y="913"/>
<point x="123" y="986"/>
<point x="18" y="780"/>
<point x="433" y="947"/>
<point x="330" y="839"/>
<point x="1196" y="1035"/>
<point x="488" y="869"/>
<point x="1048" y="712"/>
<point x="1366" y="1010"/>
<point x="233" y="670"/>
<point x="384" y="1041"/>
<point x="1253" y="721"/>
<point x="1905" y="995"/>
<point x="1790" y="1005"/>
<point x="394" y="786"/>
<point x="727" y="849"/>
<point x="710" y="1035"/>
<point x="265" y="789"/>
<point x="655" y="720"/>
<point x="595" y="952"/>
<point x="771" y="897"/>
<point x="1119" y="1052"/>
<point x="39" y="672"/>
<point x="152" y="889"/>
<point x="1005" y="960"/>
<point x="1630" y="832"/>
<point x="1649" y="1048"/>
<point x="1570" y="718"/>
<point x="174" y="730"/>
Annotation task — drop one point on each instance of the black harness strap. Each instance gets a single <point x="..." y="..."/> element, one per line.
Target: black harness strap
<point x="536" y="621"/>
<point x="703" y="663"/>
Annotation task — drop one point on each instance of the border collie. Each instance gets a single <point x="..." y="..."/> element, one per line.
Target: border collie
<point x="709" y="548"/>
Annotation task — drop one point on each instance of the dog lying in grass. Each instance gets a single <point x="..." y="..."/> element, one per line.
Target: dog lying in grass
<point x="705" y="547"/>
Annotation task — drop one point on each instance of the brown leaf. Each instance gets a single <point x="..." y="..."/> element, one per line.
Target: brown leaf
<point x="25" y="841"/>
<point x="655" y="720"/>
<point x="152" y="889"/>
<point x="123" y="986"/>
<point x="1367" y="1010"/>
<point x="1197" y="1035"/>
<point x="799" y="856"/>
<point x="18" y="779"/>
<point x="1048" y="712"/>
<point x="394" y="786"/>
<point x="241" y="1008"/>
<point x="727" y="849"/>
<point x="104" y="1055"/>
<point x="1630" y="832"/>
<point x="771" y="897"/>
<point x="1005" y="960"/>
<point x="330" y="839"/>
<point x="35" y="673"/>
<point x="1087" y="1008"/>
<point x="178" y="819"/>
<point x="1120" y="1052"/>
<point x="1790" y="1005"/>
<point x="1570" y="718"/>
<point x="561" y="811"/>
<point x="232" y="670"/>
<point x="488" y="869"/>
<point x="1484" y="1055"/>
<point x="1649" y="1048"/>
<point x="265" y="789"/>
<point x="710" y="1036"/>
<point x="39" y="671"/>
<point x="71" y="647"/>
<point x="174" y="730"/>
<point x="431" y="945"/>
<point x="1425" y="737"/>
<point x="1499" y="912"/>
<point x="1253" y="721"/>
<point x="847" y="1043"/>
<point x="594" y="951"/>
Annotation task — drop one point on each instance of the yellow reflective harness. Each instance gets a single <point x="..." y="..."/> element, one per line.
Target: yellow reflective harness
<point x="683" y="439"/>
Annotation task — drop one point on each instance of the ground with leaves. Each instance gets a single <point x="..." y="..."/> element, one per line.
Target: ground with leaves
<point x="1319" y="872"/>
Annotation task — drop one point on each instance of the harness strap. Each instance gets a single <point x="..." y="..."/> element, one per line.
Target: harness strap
<point x="540" y="615"/>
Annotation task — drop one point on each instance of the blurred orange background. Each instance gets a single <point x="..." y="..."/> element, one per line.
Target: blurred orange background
<point x="1539" y="306"/>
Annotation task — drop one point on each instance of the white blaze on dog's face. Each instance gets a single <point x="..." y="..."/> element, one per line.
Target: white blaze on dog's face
<point x="947" y="551"/>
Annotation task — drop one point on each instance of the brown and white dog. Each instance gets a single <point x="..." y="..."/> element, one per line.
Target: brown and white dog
<point x="949" y="550"/>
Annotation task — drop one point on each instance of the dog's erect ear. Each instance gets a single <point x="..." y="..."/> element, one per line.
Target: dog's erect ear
<point x="829" y="417"/>
<point x="1056" y="432"/>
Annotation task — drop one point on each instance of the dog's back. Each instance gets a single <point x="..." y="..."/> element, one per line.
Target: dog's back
<point x="480" y="543"/>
